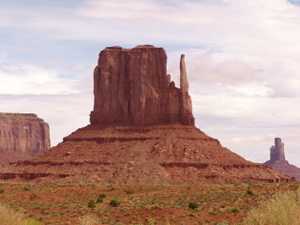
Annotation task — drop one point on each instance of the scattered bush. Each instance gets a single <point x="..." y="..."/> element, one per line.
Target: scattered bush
<point x="114" y="202"/>
<point x="282" y="209"/>
<point x="26" y="188"/>
<point x="92" y="204"/>
<point x="233" y="210"/>
<point x="100" y="198"/>
<point x="249" y="191"/>
<point x="193" y="205"/>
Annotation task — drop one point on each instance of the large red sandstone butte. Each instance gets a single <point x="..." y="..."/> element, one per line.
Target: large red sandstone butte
<point x="132" y="88"/>
<point x="142" y="131"/>
<point x="22" y="136"/>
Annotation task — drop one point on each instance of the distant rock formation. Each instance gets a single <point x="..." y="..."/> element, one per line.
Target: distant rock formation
<point x="22" y="136"/>
<point x="278" y="161"/>
<point x="132" y="87"/>
<point x="277" y="151"/>
<point x="142" y="131"/>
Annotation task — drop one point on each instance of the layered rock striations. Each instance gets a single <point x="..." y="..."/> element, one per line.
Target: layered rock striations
<point x="22" y="136"/>
<point x="278" y="161"/>
<point x="142" y="131"/>
<point x="132" y="88"/>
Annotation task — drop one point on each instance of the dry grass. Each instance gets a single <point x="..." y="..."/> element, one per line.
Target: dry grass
<point x="11" y="217"/>
<point x="89" y="220"/>
<point x="283" y="209"/>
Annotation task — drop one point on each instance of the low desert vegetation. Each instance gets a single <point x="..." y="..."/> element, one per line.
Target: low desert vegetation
<point x="90" y="204"/>
<point x="10" y="217"/>
<point x="193" y="205"/>
<point x="100" y="198"/>
<point x="282" y="209"/>
<point x="114" y="202"/>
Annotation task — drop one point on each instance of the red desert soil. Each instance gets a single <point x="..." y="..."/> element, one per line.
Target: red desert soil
<point x="64" y="202"/>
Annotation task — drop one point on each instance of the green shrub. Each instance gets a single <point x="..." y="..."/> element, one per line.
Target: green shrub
<point x="100" y="198"/>
<point x="233" y="210"/>
<point x="249" y="192"/>
<point x="114" y="202"/>
<point x="92" y="204"/>
<point x="193" y="205"/>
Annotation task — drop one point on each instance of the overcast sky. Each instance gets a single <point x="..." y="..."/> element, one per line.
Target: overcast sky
<point x="243" y="60"/>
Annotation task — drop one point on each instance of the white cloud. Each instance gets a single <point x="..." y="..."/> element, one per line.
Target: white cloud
<point x="29" y="79"/>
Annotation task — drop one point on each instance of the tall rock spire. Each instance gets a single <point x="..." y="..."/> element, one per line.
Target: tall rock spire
<point x="184" y="84"/>
<point x="186" y="101"/>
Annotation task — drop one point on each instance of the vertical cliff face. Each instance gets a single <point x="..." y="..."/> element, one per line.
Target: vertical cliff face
<point x="22" y="135"/>
<point x="131" y="87"/>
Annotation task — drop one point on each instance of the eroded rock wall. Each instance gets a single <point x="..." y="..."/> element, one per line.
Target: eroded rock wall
<point x="22" y="135"/>
<point x="132" y="87"/>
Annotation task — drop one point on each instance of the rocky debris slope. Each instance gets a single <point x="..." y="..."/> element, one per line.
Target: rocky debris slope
<point x="22" y="136"/>
<point x="156" y="154"/>
<point x="142" y="131"/>
<point x="278" y="161"/>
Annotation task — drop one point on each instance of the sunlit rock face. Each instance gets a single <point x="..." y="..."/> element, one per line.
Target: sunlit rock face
<point x="22" y="136"/>
<point x="132" y="87"/>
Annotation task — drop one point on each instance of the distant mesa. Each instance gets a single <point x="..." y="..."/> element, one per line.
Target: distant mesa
<point x="278" y="161"/>
<point x="22" y="136"/>
<point x="142" y="130"/>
